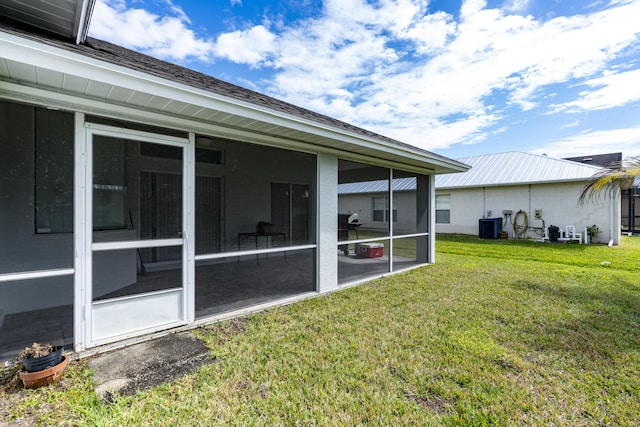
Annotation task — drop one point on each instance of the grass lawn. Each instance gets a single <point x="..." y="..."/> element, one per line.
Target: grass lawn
<point x="495" y="333"/>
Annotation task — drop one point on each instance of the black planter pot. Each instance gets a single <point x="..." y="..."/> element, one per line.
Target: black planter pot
<point x="36" y="364"/>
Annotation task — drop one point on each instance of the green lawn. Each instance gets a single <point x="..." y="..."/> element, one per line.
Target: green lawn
<point x="495" y="333"/>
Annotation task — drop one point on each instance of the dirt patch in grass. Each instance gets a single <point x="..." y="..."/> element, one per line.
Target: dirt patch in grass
<point x="223" y="331"/>
<point x="435" y="403"/>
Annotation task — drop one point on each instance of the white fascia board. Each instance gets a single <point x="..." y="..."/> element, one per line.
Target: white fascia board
<point x="53" y="58"/>
<point x="83" y="17"/>
<point x="511" y="184"/>
<point x="65" y="101"/>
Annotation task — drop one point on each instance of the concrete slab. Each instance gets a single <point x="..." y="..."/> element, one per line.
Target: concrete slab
<point x="145" y="365"/>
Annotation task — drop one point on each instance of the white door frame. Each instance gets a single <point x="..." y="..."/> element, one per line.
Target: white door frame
<point x="103" y="322"/>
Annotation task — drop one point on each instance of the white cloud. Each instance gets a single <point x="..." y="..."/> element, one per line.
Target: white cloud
<point x="406" y="73"/>
<point x="177" y="10"/>
<point x="395" y="67"/>
<point x="516" y="6"/>
<point x="572" y="124"/>
<point x="625" y="140"/>
<point x="162" y="37"/>
<point x="614" y="90"/>
<point x="251" y="46"/>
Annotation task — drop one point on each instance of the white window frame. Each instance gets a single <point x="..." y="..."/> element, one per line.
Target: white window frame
<point x="443" y="204"/>
<point x="385" y="211"/>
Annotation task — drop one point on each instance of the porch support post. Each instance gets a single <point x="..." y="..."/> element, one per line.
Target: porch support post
<point x="431" y="212"/>
<point x="81" y="242"/>
<point x="327" y="223"/>
<point x="423" y="217"/>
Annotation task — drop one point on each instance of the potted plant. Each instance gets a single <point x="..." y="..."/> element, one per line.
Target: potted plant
<point x="43" y="365"/>
<point x="593" y="232"/>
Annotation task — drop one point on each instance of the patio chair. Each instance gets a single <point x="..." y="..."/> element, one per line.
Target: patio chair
<point x="570" y="234"/>
<point x="545" y="236"/>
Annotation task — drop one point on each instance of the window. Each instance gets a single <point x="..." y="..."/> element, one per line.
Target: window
<point x="290" y="210"/>
<point x="443" y="208"/>
<point x="380" y="209"/>
<point x="53" y="171"/>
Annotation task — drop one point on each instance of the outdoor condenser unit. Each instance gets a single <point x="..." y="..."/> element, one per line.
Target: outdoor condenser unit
<point x="489" y="228"/>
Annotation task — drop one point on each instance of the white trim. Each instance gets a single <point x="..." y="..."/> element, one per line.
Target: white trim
<point x="135" y="244"/>
<point x="49" y="99"/>
<point x="135" y="296"/>
<point x="189" y="233"/>
<point x="135" y="135"/>
<point x="85" y="7"/>
<point x="222" y="255"/>
<point x="37" y="54"/>
<point x="36" y="274"/>
<point x="378" y="276"/>
<point x="81" y="238"/>
<point x="368" y="240"/>
<point x="406" y="236"/>
<point x="390" y="195"/>
<point x="151" y="335"/>
<point x="431" y="206"/>
<point x="87" y="311"/>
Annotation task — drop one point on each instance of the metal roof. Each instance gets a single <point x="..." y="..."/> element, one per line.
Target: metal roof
<point x="378" y="186"/>
<point x="66" y="18"/>
<point x="513" y="168"/>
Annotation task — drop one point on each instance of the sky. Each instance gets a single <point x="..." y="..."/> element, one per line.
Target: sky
<point x="458" y="78"/>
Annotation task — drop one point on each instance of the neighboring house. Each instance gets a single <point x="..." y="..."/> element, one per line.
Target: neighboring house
<point x="545" y="189"/>
<point x="631" y="209"/>
<point x="630" y="199"/>
<point x="370" y="200"/>
<point x="138" y="197"/>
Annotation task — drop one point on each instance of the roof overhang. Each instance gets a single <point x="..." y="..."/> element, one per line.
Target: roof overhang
<point x="513" y="184"/>
<point x="48" y="75"/>
<point x="68" y="19"/>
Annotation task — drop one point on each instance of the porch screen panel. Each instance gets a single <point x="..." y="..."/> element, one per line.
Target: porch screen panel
<point x="363" y="191"/>
<point x="36" y="226"/>
<point x="137" y="191"/>
<point x="137" y="197"/>
<point x="120" y="273"/>
<point x="35" y="310"/>
<point x="408" y="252"/>
<point x="410" y="200"/>
<point x="281" y="206"/>
<point x="239" y="283"/>
<point x="208" y="214"/>
<point x="255" y="204"/>
<point x="160" y="213"/>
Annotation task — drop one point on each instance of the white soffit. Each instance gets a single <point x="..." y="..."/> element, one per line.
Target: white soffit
<point x="36" y="65"/>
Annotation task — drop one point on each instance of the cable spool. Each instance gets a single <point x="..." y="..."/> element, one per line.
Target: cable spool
<point x="520" y="228"/>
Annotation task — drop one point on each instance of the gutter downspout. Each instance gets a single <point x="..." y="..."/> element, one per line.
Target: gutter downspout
<point x="610" y="218"/>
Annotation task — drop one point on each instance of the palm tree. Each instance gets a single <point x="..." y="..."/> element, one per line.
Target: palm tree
<point x="610" y="179"/>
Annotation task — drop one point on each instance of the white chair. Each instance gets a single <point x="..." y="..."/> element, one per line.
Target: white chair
<point x="570" y="234"/>
<point x="545" y="236"/>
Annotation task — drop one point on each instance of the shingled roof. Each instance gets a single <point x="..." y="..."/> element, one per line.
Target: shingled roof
<point x="122" y="57"/>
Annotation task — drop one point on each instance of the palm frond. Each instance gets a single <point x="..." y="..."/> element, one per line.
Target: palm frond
<point x="604" y="181"/>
